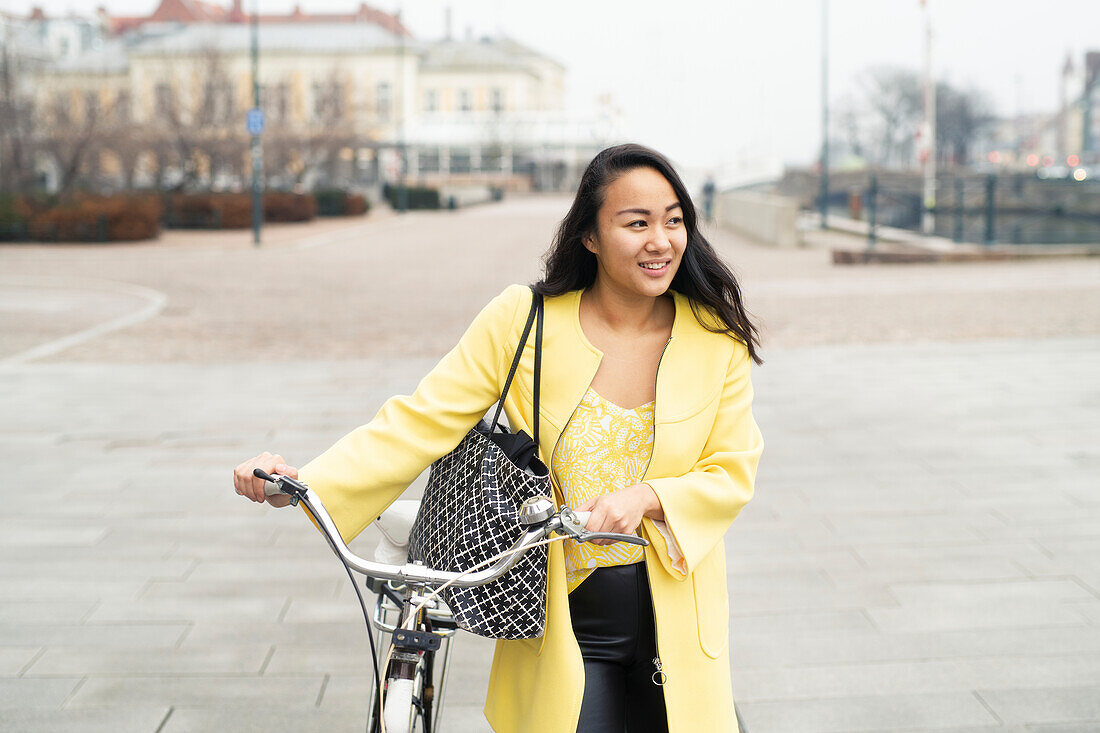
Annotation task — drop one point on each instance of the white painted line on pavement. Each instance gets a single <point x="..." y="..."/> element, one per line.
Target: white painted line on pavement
<point x="156" y="302"/>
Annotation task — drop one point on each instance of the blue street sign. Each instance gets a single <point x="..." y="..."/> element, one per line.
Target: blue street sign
<point x="254" y="118"/>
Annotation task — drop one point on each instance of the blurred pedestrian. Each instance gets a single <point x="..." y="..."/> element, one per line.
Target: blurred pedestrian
<point x="708" y="198"/>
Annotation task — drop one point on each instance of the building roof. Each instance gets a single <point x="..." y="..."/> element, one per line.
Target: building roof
<point x="482" y="54"/>
<point x="201" y="11"/>
<point x="230" y="38"/>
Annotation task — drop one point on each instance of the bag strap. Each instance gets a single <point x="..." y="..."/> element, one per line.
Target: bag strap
<point x="538" y="367"/>
<point x="536" y="308"/>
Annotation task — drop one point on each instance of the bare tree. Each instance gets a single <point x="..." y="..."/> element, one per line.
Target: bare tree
<point x="849" y="125"/>
<point x="881" y="124"/>
<point x="331" y="128"/>
<point x="203" y="129"/>
<point x="71" y="140"/>
<point x="16" y="125"/>
<point x="893" y="95"/>
<point x="961" y="116"/>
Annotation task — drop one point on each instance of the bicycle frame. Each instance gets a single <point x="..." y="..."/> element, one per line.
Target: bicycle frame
<point x="429" y="695"/>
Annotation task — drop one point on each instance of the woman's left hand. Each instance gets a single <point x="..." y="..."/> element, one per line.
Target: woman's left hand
<point x="621" y="511"/>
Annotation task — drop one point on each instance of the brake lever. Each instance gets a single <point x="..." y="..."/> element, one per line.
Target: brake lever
<point x="280" y="484"/>
<point x="572" y="525"/>
<point x="631" y="538"/>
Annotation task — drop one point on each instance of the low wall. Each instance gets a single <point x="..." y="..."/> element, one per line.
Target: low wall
<point x="464" y="195"/>
<point x="767" y="218"/>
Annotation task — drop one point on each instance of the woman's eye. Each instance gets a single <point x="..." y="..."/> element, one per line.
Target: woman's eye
<point x="676" y="219"/>
<point x="635" y="222"/>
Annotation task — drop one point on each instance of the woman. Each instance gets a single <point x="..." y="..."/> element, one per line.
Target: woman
<point x="646" y="419"/>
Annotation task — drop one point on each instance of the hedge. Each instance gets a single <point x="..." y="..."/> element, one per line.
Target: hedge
<point x="14" y="215"/>
<point x="134" y="216"/>
<point x="86" y="218"/>
<point x="419" y="197"/>
<point x="339" y="202"/>
<point x="234" y="210"/>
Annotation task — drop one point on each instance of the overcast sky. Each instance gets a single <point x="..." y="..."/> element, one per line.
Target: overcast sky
<point x="714" y="82"/>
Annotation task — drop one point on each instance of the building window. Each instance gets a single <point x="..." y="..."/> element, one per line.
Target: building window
<point x="282" y="101"/>
<point x="384" y="97"/>
<point x="431" y="100"/>
<point x="91" y="106"/>
<point x="328" y="101"/>
<point x="318" y="90"/>
<point x="428" y="160"/>
<point x="491" y="158"/>
<point x="274" y="101"/>
<point x="122" y="107"/>
<point x="164" y="105"/>
<point x="464" y="100"/>
<point x="61" y="108"/>
<point x="460" y="160"/>
<point x="218" y="104"/>
<point x="496" y="99"/>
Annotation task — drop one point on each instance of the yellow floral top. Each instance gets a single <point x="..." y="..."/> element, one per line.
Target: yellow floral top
<point x="604" y="448"/>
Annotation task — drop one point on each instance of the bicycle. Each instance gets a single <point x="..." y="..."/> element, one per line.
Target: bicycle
<point x="410" y="591"/>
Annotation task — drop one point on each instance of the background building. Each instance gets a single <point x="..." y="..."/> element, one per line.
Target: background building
<point x="349" y="99"/>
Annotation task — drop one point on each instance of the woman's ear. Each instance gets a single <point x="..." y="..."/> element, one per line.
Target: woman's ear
<point x="589" y="244"/>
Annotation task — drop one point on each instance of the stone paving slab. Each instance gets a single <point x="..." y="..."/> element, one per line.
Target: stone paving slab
<point x="918" y="676"/>
<point x="14" y="659"/>
<point x="861" y="713"/>
<point x="238" y="659"/>
<point x="128" y="719"/>
<point x="21" y="693"/>
<point x="207" y="691"/>
<point x="1048" y="704"/>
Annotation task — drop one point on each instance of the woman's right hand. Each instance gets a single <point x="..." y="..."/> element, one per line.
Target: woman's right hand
<point x="252" y="486"/>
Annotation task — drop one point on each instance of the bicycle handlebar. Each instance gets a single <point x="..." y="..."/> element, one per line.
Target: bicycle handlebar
<point x="565" y="522"/>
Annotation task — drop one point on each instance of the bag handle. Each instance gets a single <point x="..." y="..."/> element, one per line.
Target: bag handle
<point x="536" y="309"/>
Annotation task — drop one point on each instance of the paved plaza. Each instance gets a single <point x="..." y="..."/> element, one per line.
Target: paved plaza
<point x="922" y="553"/>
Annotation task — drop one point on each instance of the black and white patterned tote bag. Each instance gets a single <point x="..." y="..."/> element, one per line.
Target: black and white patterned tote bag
<point x="470" y="512"/>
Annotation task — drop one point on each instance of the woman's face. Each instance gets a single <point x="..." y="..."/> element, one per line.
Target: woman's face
<point x="640" y="234"/>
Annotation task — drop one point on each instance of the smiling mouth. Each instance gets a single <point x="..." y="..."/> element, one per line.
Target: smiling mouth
<point x="653" y="265"/>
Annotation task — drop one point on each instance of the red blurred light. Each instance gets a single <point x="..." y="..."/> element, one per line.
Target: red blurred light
<point x="1073" y="161"/>
<point x="1033" y="160"/>
<point x="994" y="157"/>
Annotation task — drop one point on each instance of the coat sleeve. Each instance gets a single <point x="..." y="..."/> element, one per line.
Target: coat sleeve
<point x="700" y="505"/>
<point x="367" y="469"/>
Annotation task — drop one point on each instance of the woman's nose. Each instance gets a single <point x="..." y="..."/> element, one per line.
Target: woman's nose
<point x="659" y="242"/>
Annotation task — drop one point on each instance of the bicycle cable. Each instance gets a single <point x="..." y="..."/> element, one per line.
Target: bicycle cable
<point x="366" y="618"/>
<point x="410" y="620"/>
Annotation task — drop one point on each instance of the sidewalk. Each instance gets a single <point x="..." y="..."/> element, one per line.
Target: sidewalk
<point x="920" y="555"/>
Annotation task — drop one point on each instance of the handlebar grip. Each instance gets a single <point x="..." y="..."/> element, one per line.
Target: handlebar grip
<point x="270" y="487"/>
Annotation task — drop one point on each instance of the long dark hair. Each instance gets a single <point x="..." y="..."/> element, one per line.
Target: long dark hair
<point x="703" y="277"/>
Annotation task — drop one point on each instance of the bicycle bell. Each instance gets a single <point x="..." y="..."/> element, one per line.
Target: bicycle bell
<point x="536" y="510"/>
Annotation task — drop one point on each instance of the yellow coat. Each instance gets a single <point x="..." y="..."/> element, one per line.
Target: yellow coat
<point x="705" y="452"/>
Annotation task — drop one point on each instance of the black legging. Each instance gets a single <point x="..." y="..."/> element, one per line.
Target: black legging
<point x="613" y="621"/>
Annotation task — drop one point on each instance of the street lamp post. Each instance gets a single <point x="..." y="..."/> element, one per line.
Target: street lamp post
<point x="824" y="193"/>
<point x="402" y="180"/>
<point x="255" y="127"/>
<point x="928" y="224"/>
